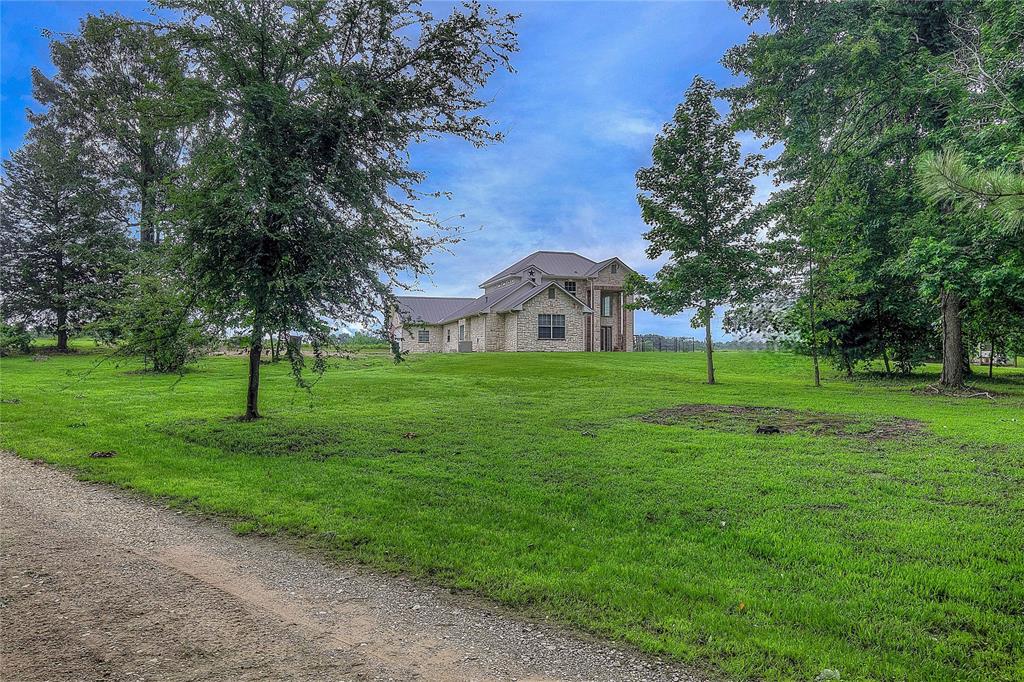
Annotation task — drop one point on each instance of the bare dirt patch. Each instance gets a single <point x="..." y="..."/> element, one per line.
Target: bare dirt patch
<point x="767" y="421"/>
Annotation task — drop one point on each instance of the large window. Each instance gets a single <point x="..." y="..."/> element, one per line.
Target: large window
<point x="570" y="286"/>
<point x="462" y="332"/>
<point x="551" y="326"/>
<point x="424" y="336"/>
<point x="606" y="305"/>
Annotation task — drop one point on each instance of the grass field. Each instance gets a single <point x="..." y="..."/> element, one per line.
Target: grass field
<point x="882" y="549"/>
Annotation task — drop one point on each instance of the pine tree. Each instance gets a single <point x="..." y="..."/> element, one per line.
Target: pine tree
<point x="62" y="248"/>
<point x="697" y="199"/>
<point x="110" y="92"/>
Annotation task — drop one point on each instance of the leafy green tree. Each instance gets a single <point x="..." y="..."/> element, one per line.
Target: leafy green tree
<point x="849" y="89"/>
<point x="297" y="205"/>
<point x="156" y="316"/>
<point x="62" y="250"/>
<point x="696" y="197"/>
<point x="110" y="91"/>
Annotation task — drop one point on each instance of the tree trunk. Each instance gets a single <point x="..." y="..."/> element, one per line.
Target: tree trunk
<point x="275" y="347"/>
<point x="147" y="223"/>
<point x="61" y="309"/>
<point x="255" y="355"/>
<point x="885" y="358"/>
<point x="814" y="324"/>
<point x="707" y="343"/>
<point x="952" y="341"/>
<point x="991" y="356"/>
<point x="62" y="329"/>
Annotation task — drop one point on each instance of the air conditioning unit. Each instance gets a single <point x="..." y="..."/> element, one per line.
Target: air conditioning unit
<point x="465" y="346"/>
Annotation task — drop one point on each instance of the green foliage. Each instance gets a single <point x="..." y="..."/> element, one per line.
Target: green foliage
<point x="856" y="92"/>
<point x="62" y="249"/>
<point x="156" y="317"/>
<point x="111" y="93"/>
<point x="886" y="559"/>
<point x="946" y="177"/>
<point x="14" y="339"/>
<point x="297" y="204"/>
<point x="696" y="198"/>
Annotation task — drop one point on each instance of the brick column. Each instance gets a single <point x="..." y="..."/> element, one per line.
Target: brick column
<point x="596" y="332"/>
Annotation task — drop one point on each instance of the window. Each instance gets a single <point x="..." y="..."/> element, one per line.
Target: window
<point x="570" y="286"/>
<point x="462" y="332"/>
<point x="424" y="336"/>
<point x="551" y="292"/>
<point x="551" y="326"/>
<point x="615" y="268"/>
<point x="606" y="305"/>
<point x="449" y="336"/>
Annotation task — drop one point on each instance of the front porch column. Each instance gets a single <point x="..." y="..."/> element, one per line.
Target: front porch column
<point x="595" y="340"/>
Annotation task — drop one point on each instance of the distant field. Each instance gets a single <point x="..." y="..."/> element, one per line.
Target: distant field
<point x="881" y="534"/>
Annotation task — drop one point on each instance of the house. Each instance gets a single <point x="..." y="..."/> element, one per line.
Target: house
<point x="548" y="301"/>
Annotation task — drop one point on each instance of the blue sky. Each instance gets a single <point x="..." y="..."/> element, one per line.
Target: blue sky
<point x="594" y="81"/>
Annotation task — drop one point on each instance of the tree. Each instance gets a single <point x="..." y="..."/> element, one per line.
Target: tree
<point x="976" y="183"/>
<point x="297" y="204"/>
<point x="996" y="194"/>
<point x="62" y="247"/>
<point x="155" y="315"/>
<point x="110" y="92"/>
<point x="849" y="89"/>
<point x="696" y="198"/>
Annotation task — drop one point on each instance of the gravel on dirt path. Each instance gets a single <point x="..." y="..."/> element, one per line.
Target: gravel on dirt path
<point x="96" y="583"/>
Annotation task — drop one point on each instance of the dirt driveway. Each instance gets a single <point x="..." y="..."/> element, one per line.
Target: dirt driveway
<point x="97" y="584"/>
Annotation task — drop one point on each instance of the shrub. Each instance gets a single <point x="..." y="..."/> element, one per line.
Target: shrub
<point x="156" y="317"/>
<point x="14" y="340"/>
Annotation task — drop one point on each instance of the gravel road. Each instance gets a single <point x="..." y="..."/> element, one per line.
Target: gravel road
<point x="99" y="584"/>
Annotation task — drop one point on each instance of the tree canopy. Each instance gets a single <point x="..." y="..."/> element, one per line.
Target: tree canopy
<point x="298" y="201"/>
<point x="62" y="247"/>
<point x="696" y="199"/>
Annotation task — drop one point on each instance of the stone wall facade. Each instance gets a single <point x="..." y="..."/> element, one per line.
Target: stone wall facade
<point x="511" y="332"/>
<point x="409" y="338"/>
<point x="527" y="337"/>
<point x="517" y="330"/>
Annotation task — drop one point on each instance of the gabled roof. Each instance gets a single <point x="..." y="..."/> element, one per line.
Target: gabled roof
<point x="429" y="309"/>
<point x="528" y="291"/>
<point x="554" y="263"/>
<point x="482" y="304"/>
<point x="598" y="267"/>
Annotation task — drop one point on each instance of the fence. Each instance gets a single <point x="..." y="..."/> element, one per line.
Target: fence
<point x="666" y="344"/>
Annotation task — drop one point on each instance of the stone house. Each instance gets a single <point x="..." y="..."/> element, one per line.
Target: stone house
<point x="548" y="301"/>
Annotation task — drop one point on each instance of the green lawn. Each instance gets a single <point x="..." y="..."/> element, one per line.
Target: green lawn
<point x="529" y="479"/>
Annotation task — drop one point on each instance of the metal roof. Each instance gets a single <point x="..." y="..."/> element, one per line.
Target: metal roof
<point x="441" y="310"/>
<point x="528" y="291"/>
<point x="429" y="309"/>
<point x="555" y="263"/>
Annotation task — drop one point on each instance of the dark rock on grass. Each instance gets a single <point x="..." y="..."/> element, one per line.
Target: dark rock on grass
<point x="764" y="429"/>
<point x="102" y="454"/>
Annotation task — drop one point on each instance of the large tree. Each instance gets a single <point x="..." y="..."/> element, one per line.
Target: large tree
<point x="697" y="199"/>
<point x="849" y="90"/>
<point x="110" y="91"/>
<point x="297" y="206"/>
<point x="62" y="248"/>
